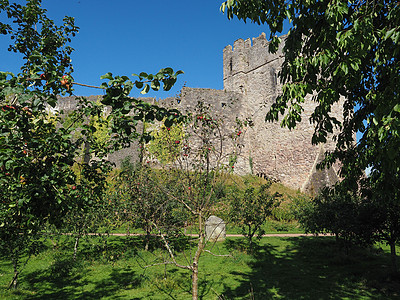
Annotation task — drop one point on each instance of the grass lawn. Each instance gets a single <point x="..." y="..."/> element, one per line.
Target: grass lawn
<point x="270" y="227"/>
<point x="280" y="268"/>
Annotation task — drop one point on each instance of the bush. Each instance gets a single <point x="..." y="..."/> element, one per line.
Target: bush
<point x="250" y="209"/>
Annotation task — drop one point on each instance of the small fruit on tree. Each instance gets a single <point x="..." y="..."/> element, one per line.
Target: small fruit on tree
<point x="65" y="81"/>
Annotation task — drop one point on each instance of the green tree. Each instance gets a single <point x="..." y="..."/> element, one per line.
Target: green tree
<point x="341" y="50"/>
<point x="251" y="209"/>
<point x="36" y="178"/>
<point x="36" y="153"/>
<point x="382" y="195"/>
<point x="139" y="202"/>
<point x="344" y="213"/>
<point x="165" y="145"/>
<point x="192" y="182"/>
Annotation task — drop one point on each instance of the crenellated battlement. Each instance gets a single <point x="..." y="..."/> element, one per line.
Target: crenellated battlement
<point x="246" y="60"/>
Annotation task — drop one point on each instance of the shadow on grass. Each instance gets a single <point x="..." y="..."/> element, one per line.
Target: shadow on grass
<point x="64" y="280"/>
<point x="57" y="282"/>
<point x="69" y="279"/>
<point x="314" y="268"/>
<point x="118" y="279"/>
<point x="111" y="248"/>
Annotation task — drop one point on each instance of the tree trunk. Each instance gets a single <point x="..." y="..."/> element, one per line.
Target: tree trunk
<point x="393" y="256"/>
<point x="86" y="157"/>
<point x="195" y="281"/>
<point x="250" y="236"/>
<point x="76" y="246"/>
<point x="14" y="281"/>
<point x="196" y="258"/>
<point x="147" y="239"/>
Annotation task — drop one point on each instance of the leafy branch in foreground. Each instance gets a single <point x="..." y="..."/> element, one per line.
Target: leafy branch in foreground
<point x="38" y="150"/>
<point x="342" y="52"/>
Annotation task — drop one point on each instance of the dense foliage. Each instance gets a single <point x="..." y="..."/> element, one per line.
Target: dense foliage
<point x="37" y="149"/>
<point x="342" y="51"/>
<point x="251" y="208"/>
<point x="338" y="50"/>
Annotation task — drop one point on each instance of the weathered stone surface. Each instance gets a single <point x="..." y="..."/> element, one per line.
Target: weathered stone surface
<point x="318" y="179"/>
<point x="278" y="153"/>
<point x="250" y="87"/>
<point x="215" y="229"/>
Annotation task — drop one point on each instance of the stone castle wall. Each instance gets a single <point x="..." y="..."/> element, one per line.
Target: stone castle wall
<point x="288" y="156"/>
<point x="250" y="87"/>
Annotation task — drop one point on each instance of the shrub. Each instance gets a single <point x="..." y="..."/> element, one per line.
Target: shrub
<point x="250" y="209"/>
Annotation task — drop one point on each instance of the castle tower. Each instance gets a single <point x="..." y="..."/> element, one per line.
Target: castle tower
<point x="250" y="69"/>
<point x="288" y="156"/>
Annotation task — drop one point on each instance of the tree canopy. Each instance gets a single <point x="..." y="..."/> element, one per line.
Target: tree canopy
<point x="39" y="151"/>
<point x="338" y="49"/>
<point x="343" y="50"/>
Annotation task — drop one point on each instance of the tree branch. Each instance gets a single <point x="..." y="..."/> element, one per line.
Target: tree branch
<point x="87" y="85"/>
<point x="170" y="251"/>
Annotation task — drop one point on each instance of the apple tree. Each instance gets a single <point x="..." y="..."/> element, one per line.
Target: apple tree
<point x="251" y="208"/>
<point x="39" y="186"/>
<point x="35" y="155"/>
<point x="198" y="164"/>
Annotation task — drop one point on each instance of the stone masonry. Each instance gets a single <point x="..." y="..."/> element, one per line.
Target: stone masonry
<point x="250" y="87"/>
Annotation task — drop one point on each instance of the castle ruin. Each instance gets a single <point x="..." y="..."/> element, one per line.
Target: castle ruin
<point x="251" y="85"/>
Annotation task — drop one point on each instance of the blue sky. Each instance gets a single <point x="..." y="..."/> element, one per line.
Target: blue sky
<point x="130" y="36"/>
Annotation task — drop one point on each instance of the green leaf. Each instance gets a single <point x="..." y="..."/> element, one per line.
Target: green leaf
<point x="344" y="68"/>
<point x="150" y="116"/>
<point x="389" y="33"/>
<point x="168" y="122"/>
<point x="159" y="116"/>
<point x="155" y="85"/>
<point x="139" y="84"/>
<point x="127" y="106"/>
<point x="168" y="71"/>
<point x="145" y="89"/>
<point x="354" y="66"/>
<point x="107" y="76"/>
